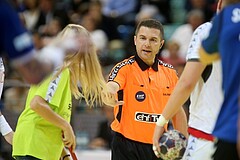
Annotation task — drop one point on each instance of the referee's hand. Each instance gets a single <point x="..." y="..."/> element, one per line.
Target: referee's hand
<point x="110" y="99"/>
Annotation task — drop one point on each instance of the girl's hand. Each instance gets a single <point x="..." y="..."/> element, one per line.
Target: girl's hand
<point x="69" y="138"/>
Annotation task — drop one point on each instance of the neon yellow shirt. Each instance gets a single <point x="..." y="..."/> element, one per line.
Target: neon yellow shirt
<point x="34" y="135"/>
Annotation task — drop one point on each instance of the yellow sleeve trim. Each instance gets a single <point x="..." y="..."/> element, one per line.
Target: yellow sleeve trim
<point x="208" y="58"/>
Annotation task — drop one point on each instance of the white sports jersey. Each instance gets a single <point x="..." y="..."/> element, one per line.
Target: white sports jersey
<point x="206" y="97"/>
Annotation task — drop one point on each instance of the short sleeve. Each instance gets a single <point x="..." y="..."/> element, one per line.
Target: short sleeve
<point x="210" y="43"/>
<point x="54" y="90"/>
<point x="199" y="34"/>
<point x="118" y="74"/>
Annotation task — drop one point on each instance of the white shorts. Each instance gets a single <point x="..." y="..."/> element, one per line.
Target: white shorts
<point x="198" y="149"/>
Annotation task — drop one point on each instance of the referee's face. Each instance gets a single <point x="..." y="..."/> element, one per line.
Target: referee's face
<point x="148" y="43"/>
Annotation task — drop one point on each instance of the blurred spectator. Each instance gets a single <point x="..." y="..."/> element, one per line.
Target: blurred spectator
<point x="94" y="9"/>
<point x="37" y="40"/>
<point x="149" y="11"/>
<point x="54" y="26"/>
<point x="171" y="55"/>
<point x="119" y="14"/>
<point x="52" y="10"/>
<point x="124" y="11"/>
<point x="208" y="7"/>
<point x="182" y="35"/>
<point x="15" y="96"/>
<point x="116" y="51"/>
<point x="164" y="9"/>
<point x="78" y="11"/>
<point x="104" y="135"/>
<point x="32" y="15"/>
<point x="50" y="30"/>
<point x="99" y="37"/>
<point x="76" y="3"/>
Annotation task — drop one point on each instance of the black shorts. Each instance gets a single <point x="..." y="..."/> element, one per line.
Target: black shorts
<point x="225" y="150"/>
<point x="126" y="149"/>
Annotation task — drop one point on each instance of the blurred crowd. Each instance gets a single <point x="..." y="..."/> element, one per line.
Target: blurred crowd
<point x="111" y="24"/>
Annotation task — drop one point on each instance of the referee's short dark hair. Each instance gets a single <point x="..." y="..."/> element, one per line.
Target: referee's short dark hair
<point x="151" y="23"/>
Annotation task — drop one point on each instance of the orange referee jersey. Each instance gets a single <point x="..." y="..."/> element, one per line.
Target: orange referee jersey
<point x="145" y="91"/>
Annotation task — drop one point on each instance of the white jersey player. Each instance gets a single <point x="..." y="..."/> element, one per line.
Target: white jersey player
<point x="203" y="84"/>
<point x="5" y="129"/>
<point x="206" y="99"/>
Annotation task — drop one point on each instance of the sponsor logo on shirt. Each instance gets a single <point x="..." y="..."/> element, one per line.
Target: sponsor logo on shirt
<point x="146" y="117"/>
<point x="70" y="106"/>
<point x="67" y="114"/>
<point x="236" y="15"/>
<point x="166" y="94"/>
<point x="140" y="96"/>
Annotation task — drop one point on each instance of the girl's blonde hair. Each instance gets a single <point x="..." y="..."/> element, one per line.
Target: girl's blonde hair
<point x="86" y="77"/>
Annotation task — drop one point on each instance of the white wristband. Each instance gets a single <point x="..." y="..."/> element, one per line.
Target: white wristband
<point x="161" y="121"/>
<point x="1" y="82"/>
<point x="4" y="126"/>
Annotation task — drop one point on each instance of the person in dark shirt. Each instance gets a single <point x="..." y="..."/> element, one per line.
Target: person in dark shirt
<point x="104" y="135"/>
<point x="17" y="44"/>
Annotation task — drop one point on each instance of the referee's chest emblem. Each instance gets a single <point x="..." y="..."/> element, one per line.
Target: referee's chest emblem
<point x="140" y="96"/>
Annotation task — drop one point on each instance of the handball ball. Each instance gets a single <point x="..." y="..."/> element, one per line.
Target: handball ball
<point x="172" y="145"/>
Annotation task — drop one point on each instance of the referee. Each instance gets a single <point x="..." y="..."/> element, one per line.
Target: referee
<point x="144" y="84"/>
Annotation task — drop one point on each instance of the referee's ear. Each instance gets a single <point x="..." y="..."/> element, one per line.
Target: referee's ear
<point x="162" y="43"/>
